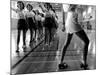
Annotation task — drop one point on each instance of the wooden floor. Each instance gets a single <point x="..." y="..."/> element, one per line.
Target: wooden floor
<point x="46" y="58"/>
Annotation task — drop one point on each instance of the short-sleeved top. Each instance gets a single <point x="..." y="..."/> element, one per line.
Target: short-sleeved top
<point x="21" y="14"/>
<point x="71" y="24"/>
<point x="30" y="14"/>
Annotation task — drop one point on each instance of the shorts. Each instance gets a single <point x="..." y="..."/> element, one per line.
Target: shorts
<point x="31" y="23"/>
<point x="22" y="24"/>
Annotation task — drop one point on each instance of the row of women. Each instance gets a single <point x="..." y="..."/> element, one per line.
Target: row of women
<point x="38" y="23"/>
<point x="48" y="20"/>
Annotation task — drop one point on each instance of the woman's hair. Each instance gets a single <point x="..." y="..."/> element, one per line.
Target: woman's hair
<point x="29" y="6"/>
<point x="20" y="2"/>
<point x="50" y="6"/>
<point x="47" y="5"/>
<point x="73" y="7"/>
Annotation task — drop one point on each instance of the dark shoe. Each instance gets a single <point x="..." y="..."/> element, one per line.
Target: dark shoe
<point x="17" y="50"/>
<point x="84" y="66"/>
<point x="63" y="66"/>
<point x="31" y="41"/>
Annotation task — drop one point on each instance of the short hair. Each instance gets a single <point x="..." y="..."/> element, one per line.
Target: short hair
<point x="73" y="7"/>
<point x="20" y="2"/>
<point x="30" y="6"/>
<point x="47" y="5"/>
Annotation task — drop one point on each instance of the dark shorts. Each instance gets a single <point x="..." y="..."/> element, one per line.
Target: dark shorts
<point x="48" y="22"/>
<point x="31" y="23"/>
<point x="39" y="24"/>
<point x="22" y="25"/>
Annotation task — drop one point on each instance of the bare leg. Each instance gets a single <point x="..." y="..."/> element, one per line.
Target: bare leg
<point x="24" y="38"/>
<point x="50" y="35"/>
<point x="82" y="35"/>
<point x="31" y="35"/>
<point x="35" y="34"/>
<point x="18" y="40"/>
<point x="66" y="46"/>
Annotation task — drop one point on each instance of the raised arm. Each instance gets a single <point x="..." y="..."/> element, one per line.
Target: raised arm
<point x="42" y="8"/>
<point x="16" y="10"/>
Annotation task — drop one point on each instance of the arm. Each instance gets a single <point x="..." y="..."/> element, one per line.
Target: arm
<point x="63" y="21"/>
<point x="42" y="8"/>
<point x="55" y="13"/>
<point x="34" y="12"/>
<point x="16" y="10"/>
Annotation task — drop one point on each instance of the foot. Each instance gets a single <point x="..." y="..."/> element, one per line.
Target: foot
<point x="84" y="66"/>
<point x="17" y="50"/>
<point x="50" y="43"/>
<point x="30" y="44"/>
<point x="34" y="41"/>
<point x="63" y="66"/>
<point x="30" y="41"/>
<point x="24" y="48"/>
<point x="38" y="38"/>
<point x="46" y="44"/>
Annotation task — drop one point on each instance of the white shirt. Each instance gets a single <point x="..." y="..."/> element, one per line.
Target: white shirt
<point x="65" y="7"/>
<point x="29" y="14"/>
<point x="70" y="23"/>
<point x="20" y="14"/>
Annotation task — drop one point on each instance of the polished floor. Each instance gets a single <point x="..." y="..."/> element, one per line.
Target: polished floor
<point x="46" y="58"/>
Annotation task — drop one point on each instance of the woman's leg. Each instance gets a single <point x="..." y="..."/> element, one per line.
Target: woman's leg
<point x="50" y="35"/>
<point x="66" y="46"/>
<point x="82" y="35"/>
<point x="53" y="32"/>
<point x="18" y="39"/>
<point x="24" y="38"/>
<point x="46" y="35"/>
<point x="35" y="34"/>
<point x="31" y="35"/>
